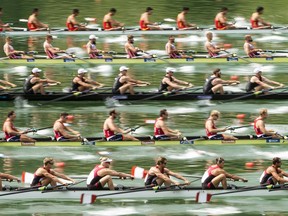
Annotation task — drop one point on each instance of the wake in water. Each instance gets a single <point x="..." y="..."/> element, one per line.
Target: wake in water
<point x="19" y="102"/>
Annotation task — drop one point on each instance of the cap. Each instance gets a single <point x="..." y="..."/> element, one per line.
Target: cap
<point x="257" y="70"/>
<point x="36" y="70"/>
<point x="105" y="159"/>
<point x="82" y="70"/>
<point x="170" y="69"/>
<point x="123" y="68"/>
<point x="92" y="37"/>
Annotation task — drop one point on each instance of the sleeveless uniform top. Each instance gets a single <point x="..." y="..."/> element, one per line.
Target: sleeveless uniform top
<point x="208" y="133"/>
<point x="130" y="53"/>
<point x="12" y="56"/>
<point x="150" y="178"/>
<point x="208" y="85"/>
<point x="71" y="26"/>
<point x="254" y="23"/>
<point x="143" y="25"/>
<point x="117" y="84"/>
<point x="31" y="26"/>
<point x="181" y="25"/>
<point x="94" y="50"/>
<point x="107" y="25"/>
<point x="93" y="176"/>
<point x="108" y="133"/>
<point x="257" y="130"/>
<point x="251" y="86"/>
<point x="266" y="178"/>
<point x="252" y="54"/>
<point x="164" y="86"/>
<point x="49" y="54"/>
<point x="75" y="86"/>
<point x="211" y="54"/>
<point x="57" y="134"/>
<point x="36" y="180"/>
<point x="27" y="84"/>
<point x="207" y="176"/>
<point x="7" y="135"/>
<point x="158" y="131"/>
<point x="219" y="25"/>
<point x="173" y="48"/>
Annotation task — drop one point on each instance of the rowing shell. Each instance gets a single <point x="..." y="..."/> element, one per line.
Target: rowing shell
<point x="147" y="61"/>
<point x="147" y="142"/>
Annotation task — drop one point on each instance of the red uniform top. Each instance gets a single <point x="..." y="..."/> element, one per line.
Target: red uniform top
<point x="158" y="131"/>
<point x="107" y="25"/>
<point x="71" y="26"/>
<point x="108" y="133"/>
<point x="254" y="23"/>
<point x="256" y="129"/>
<point x="31" y="26"/>
<point x="208" y="133"/>
<point x="1" y="29"/>
<point x="143" y="25"/>
<point x="7" y="135"/>
<point x="181" y="25"/>
<point x="211" y="168"/>
<point x="219" y="25"/>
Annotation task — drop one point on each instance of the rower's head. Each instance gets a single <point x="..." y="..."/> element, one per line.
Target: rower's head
<point x="64" y="117"/>
<point x="11" y="115"/>
<point x="48" y="162"/>
<point x="260" y="10"/>
<point x="170" y="71"/>
<point x="35" y="11"/>
<point x="36" y="72"/>
<point x="217" y="72"/>
<point x="93" y="38"/>
<point x="49" y="38"/>
<point x="112" y="11"/>
<point x="149" y="10"/>
<point x="263" y="113"/>
<point x="224" y="10"/>
<point x="258" y="71"/>
<point x="123" y="69"/>
<point x="171" y="38"/>
<point x="113" y="114"/>
<point x="209" y="35"/>
<point x="164" y="114"/>
<point x="248" y="38"/>
<point x="215" y="114"/>
<point x="220" y="162"/>
<point x="8" y="40"/>
<point x="81" y="72"/>
<point x="75" y="12"/>
<point x="277" y="161"/>
<point x="185" y="10"/>
<point x="105" y="161"/>
<point x="130" y="38"/>
<point x="161" y="161"/>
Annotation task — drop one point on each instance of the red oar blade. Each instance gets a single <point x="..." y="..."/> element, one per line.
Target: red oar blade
<point x="138" y="172"/>
<point x="203" y="197"/>
<point x="87" y="198"/>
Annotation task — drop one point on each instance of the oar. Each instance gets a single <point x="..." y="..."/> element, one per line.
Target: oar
<point x="90" y="93"/>
<point x="34" y="130"/>
<point x="73" y="94"/>
<point x="276" y="51"/>
<point x="232" y="128"/>
<point x="169" y="20"/>
<point x="187" y="91"/>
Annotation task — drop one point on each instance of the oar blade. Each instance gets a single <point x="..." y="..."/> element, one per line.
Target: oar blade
<point x="87" y="198"/>
<point x="138" y="172"/>
<point x="203" y="197"/>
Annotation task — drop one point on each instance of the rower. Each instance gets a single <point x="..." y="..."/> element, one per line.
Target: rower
<point x="45" y="175"/>
<point x="213" y="50"/>
<point x="256" y="20"/>
<point x="102" y="175"/>
<point x="274" y="174"/>
<point x="215" y="175"/>
<point x="11" y="53"/>
<point x="214" y="84"/>
<point x="144" y="22"/>
<point x="72" y="24"/>
<point x="4" y="26"/>
<point x="53" y="52"/>
<point x="12" y="134"/>
<point x="7" y="177"/>
<point x="258" y="82"/>
<point x="63" y="133"/>
<point x="34" y="24"/>
<point x="110" y="129"/>
<point x="6" y="84"/>
<point x="161" y="131"/>
<point x="92" y="50"/>
<point x="123" y="83"/>
<point x="109" y="24"/>
<point x="212" y="132"/>
<point x="221" y="20"/>
<point x="34" y="84"/>
<point x="170" y="83"/>
<point x="160" y="174"/>
<point x="182" y="24"/>
<point x="250" y="50"/>
<point x="260" y="129"/>
<point x="134" y="52"/>
<point x="81" y="83"/>
<point x="171" y="49"/>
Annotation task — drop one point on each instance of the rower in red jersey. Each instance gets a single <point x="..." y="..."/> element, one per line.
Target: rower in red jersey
<point x="211" y="129"/>
<point x="256" y="20"/>
<point x="144" y="22"/>
<point x="182" y="24"/>
<point x="53" y="52"/>
<point x="3" y="26"/>
<point x="109" y="24"/>
<point x="11" y="53"/>
<point x="45" y="175"/>
<point x="34" y="24"/>
<point x="221" y="20"/>
<point x="112" y="132"/>
<point x="72" y="24"/>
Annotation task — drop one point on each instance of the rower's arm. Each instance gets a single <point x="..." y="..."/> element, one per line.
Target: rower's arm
<point x="63" y="130"/>
<point x="84" y="83"/>
<point x="72" y="131"/>
<point x="9" y="177"/>
<point x="181" y="82"/>
<point x="235" y="177"/>
<point x="178" y="176"/>
<point x="13" y="131"/>
<point x="136" y="81"/>
<point x="212" y="49"/>
<point x="114" y="127"/>
<point x="53" y="177"/>
<point x="61" y="175"/>
<point x="272" y="82"/>
<point x="209" y="127"/>
<point x="119" y="174"/>
<point x="277" y="177"/>
<point x="263" y="129"/>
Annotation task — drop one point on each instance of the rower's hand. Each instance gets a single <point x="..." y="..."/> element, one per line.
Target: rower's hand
<point x="95" y="87"/>
<point x="18" y="180"/>
<point x="281" y="85"/>
<point x="147" y="83"/>
<point x="176" y="183"/>
<point x="131" y="177"/>
<point x="190" y="85"/>
<point x="13" y="85"/>
<point x="58" y="83"/>
<point x="187" y="182"/>
<point x="243" y="180"/>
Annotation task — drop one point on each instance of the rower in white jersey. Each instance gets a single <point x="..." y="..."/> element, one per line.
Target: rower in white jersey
<point x="212" y="49"/>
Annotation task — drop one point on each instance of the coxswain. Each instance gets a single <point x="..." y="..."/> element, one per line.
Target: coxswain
<point x="171" y="49"/>
<point x="260" y="128"/>
<point x="144" y="22"/>
<point x="12" y="134"/>
<point x="221" y="20"/>
<point x="72" y="24"/>
<point x="256" y="20"/>
<point x="182" y="24"/>
<point x="250" y="50"/>
<point x="6" y="85"/>
<point x="34" y="84"/>
<point x="214" y="84"/>
<point x="216" y="174"/>
<point x="273" y="174"/>
<point x="63" y="133"/>
<point x="92" y="50"/>
<point x="132" y="51"/>
<point x="7" y="177"/>
<point x="160" y="174"/>
<point x="212" y="132"/>
<point x="11" y="53"/>
<point x="34" y="24"/>
<point x="101" y="175"/>
<point x="213" y="50"/>
<point x="161" y="131"/>
<point x="3" y="26"/>
<point x="109" y="24"/>
<point x="112" y="132"/>
<point x="124" y="83"/>
<point x="53" y="52"/>
<point x="258" y="82"/>
<point x="170" y="83"/>
<point x="81" y="83"/>
<point x="45" y="175"/>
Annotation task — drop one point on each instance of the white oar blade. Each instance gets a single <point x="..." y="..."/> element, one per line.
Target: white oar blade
<point x="23" y="20"/>
<point x="90" y="19"/>
<point x="150" y="121"/>
<point x="169" y="20"/>
<point x="138" y="172"/>
<point x="27" y="178"/>
<point x="203" y="197"/>
<point x="87" y="198"/>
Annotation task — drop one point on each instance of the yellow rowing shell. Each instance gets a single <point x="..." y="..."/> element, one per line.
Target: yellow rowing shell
<point x="149" y="143"/>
